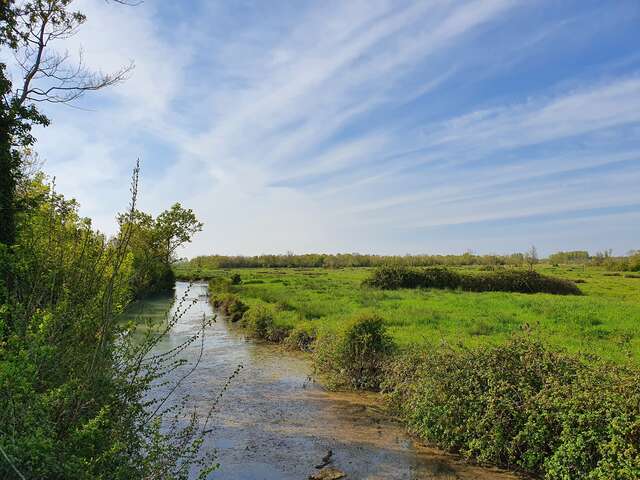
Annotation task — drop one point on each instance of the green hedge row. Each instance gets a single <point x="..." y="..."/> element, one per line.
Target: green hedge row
<point x="521" y="281"/>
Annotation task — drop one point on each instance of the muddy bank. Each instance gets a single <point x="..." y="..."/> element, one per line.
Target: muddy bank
<point x="275" y="422"/>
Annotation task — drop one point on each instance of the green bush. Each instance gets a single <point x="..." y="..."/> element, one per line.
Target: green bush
<point x="80" y="396"/>
<point x="355" y="355"/>
<point x="236" y="279"/>
<point x="230" y="305"/>
<point x="518" y="281"/>
<point x="301" y="337"/>
<point x="394" y="277"/>
<point x="634" y="262"/>
<point x="259" y="321"/>
<point x="522" y="405"/>
<point x="220" y="285"/>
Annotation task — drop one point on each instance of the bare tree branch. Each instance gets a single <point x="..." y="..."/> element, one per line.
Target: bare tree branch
<point x="131" y="3"/>
<point x="50" y="76"/>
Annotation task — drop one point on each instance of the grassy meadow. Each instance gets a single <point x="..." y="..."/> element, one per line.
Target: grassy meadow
<point x="542" y="383"/>
<point x="605" y="321"/>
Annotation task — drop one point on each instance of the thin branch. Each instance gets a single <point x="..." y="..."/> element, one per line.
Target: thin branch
<point x="11" y="463"/>
<point x="36" y="65"/>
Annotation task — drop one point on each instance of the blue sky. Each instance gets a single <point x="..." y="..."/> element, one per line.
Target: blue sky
<point x="369" y="126"/>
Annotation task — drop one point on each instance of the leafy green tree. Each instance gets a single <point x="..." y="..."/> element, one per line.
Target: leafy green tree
<point x="153" y="245"/>
<point x="174" y="228"/>
<point x="77" y="388"/>
<point x="531" y="257"/>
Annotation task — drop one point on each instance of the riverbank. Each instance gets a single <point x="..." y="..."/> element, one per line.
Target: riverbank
<point x="275" y="422"/>
<point x="514" y="402"/>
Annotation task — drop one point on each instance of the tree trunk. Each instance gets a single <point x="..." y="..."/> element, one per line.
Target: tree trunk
<point x="8" y="176"/>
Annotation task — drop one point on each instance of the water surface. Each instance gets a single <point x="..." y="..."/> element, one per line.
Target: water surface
<point x="275" y="422"/>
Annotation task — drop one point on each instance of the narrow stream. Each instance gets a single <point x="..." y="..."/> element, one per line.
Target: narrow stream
<point x="275" y="422"/>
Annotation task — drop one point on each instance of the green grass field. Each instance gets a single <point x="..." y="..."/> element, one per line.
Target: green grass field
<point x="605" y="321"/>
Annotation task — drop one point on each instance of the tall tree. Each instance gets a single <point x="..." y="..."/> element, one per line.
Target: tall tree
<point x="174" y="228"/>
<point x="531" y="257"/>
<point x="31" y="30"/>
<point x="153" y="244"/>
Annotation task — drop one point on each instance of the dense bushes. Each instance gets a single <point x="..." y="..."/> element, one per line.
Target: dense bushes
<point x="230" y="305"/>
<point x="355" y="355"/>
<point x="154" y="278"/>
<point x="152" y="243"/>
<point x="301" y="337"/>
<point x="80" y="396"/>
<point x="393" y="277"/>
<point x="522" y="405"/>
<point x="518" y="281"/>
<point x="220" y="285"/>
<point x="258" y="321"/>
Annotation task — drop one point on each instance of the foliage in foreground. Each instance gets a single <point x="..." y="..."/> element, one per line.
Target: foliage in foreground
<point x="394" y="277"/>
<point x="522" y="405"/>
<point x="78" y="396"/>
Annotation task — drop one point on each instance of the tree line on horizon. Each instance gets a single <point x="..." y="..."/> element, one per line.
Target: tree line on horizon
<point x="343" y="260"/>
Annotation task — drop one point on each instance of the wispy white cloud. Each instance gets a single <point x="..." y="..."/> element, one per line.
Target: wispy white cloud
<point x="614" y="103"/>
<point x="314" y="127"/>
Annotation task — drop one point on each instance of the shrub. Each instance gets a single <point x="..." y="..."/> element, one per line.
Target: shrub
<point x="258" y="321"/>
<point x="230" y="305"/>
<point x="393" y="277"/>
<point x="220" y="285"/>
<point x="355" y="356"/>
<point x="236" y="279"/>
<point x="301" y="337"/>
<point x="522" y="405"/>
<point x="82" y="396"/>
<point x="518" y="281"/>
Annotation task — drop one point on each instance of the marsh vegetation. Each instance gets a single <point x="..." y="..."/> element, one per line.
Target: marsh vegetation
<point x="500" y="373"/>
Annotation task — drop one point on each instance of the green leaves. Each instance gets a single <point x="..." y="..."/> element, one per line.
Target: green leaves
<point x="153" y="243"/>
<point x="523" y="405"/>
<point x="355" y="355"/>
<point x="397" y="276"/>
